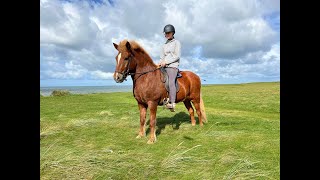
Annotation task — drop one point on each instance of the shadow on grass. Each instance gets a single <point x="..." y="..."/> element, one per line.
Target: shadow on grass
<point x="174" y="121"/>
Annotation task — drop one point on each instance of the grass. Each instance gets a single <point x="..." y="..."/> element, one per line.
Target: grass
<point x="92" y="136"/>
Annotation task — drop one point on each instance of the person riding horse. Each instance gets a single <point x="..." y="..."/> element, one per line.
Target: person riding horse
<point x="170" y="59"/>
<point x="148" y="88"/>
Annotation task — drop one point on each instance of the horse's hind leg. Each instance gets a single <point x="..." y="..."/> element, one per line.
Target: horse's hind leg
<point x="191" y="111"/>
<point x="196" y="104"/>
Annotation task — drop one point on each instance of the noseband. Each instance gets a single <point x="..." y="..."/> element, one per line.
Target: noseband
<point x="125" y="73"/>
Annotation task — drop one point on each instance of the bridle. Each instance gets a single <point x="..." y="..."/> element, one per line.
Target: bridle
<point x="126" y="72"/>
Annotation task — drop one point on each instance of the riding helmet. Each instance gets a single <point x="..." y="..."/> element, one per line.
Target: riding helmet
<point x="169" y="28"/>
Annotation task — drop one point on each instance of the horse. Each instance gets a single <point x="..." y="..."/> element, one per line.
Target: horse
<point x="149" y="90"/>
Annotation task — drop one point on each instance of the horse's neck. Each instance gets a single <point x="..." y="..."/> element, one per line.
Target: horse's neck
<point x="144" y="63"/>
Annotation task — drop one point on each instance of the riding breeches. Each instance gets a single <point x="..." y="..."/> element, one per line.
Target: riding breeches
<point x="172" y="74"/>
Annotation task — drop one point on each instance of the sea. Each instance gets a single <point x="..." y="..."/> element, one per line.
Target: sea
<point x="46" y="91"/>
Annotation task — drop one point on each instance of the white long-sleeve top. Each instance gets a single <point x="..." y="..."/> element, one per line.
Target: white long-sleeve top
<point x="170" y="53"/>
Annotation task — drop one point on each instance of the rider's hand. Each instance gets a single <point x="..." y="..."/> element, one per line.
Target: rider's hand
<point x="162" y="64"/>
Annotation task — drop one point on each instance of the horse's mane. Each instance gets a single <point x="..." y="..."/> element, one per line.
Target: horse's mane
<point x="137" y="48"/>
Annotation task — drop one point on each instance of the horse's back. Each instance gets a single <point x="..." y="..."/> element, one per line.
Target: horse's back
<point x="190" y="77"/>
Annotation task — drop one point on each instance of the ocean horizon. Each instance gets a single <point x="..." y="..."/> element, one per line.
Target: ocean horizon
<point x="46" y="91"/>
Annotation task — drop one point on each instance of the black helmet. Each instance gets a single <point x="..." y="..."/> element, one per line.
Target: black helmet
<point x="169" y="28"/>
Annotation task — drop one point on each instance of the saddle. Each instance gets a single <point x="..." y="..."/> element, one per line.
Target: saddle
<point x="166" y="77"/>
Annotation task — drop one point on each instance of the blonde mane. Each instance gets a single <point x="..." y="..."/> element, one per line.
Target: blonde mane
<point x="136" y="47"/>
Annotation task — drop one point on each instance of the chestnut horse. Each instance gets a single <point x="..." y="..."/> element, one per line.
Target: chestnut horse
<point x="149" y="90"/>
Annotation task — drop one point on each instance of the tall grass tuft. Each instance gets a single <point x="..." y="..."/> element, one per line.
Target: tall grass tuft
<point x="60" y="93"/>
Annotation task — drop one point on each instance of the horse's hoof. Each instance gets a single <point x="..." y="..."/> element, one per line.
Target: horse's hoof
<point x="201" y="124"/>
<point x="141" y="135"/>
<point x="138" y="137"/>
<point x="151" y="141"/>
<point x="193" y="124"/>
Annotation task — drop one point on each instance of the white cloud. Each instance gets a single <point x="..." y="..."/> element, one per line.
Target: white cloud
<point x="265" y="65"/>
<point x="101" y="75"/>
<point x="73" y="71"/>
<point x="67" y="71"/>
<point x="220" y="38"/>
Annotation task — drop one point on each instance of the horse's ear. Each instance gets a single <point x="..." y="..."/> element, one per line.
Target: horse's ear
<point x="129" y="47"/>
<point x="115" y="46"/>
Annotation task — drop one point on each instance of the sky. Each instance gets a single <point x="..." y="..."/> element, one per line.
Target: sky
<point x="223" y="41"/>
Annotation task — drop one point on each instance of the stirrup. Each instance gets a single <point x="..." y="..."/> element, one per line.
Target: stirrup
<point x="170" y="106"/>
<point x="165" y="102"/>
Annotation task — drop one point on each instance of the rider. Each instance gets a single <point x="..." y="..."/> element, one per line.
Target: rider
<point x="170" y="59"/>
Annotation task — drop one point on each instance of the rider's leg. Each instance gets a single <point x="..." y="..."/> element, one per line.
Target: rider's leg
<point x="172" y="74"/>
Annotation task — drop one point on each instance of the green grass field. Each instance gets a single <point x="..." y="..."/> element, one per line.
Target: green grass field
<point x="92" y="136"/>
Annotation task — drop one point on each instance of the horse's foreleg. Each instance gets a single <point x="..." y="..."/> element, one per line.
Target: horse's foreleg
<point x="153" y="111"/>
<point x="143" y="113"/>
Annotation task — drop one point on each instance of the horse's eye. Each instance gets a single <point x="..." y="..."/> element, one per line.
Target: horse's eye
<point x="126" y="58"/>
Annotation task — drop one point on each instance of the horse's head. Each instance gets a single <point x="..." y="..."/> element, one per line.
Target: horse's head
<point x="124" y="60"/>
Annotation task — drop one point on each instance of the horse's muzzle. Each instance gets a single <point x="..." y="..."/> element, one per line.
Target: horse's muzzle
<point x="118" y="77"/>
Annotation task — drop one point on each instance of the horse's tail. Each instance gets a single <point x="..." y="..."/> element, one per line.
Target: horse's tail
<point x="202" y="109"/>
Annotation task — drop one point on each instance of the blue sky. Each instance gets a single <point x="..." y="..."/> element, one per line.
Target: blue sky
<point x="223" y="41"/>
